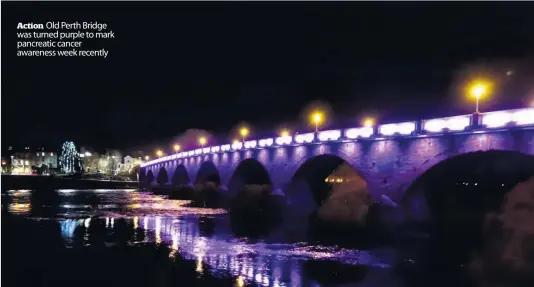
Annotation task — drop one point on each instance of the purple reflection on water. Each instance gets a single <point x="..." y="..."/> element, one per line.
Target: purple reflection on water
<point x="172" y="223"/>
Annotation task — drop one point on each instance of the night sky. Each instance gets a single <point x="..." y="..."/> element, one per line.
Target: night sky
<point x="175" y="66"/>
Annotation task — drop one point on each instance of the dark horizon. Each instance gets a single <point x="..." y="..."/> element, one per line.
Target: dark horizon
<point x="175" y="66"/>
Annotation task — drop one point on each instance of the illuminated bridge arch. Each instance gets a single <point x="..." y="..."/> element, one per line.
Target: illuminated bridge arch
<point x="329" y="185"/>
<point x="180" y="176"/>
<point x="208" y="172"/>
<point x="465" y="182"/>
<point x="248" y="172"/>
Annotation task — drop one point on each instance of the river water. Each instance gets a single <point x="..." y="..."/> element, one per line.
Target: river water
<point x="105" y="219"/>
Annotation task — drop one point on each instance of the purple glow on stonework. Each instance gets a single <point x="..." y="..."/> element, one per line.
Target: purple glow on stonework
<point x="237" y="145"/>
<point x="284" y="140"/>
<point x="265" y="142"/>
<point x="215" y="149"/>
<point x="355" y="133"/>
<point x="250" y="144"/>
<point x="402" y="129"/>
<point x="332" y="135"/>
<point x="304" y="138"/>
<point x="520" y="117"/>
<point x="458" y="123"/>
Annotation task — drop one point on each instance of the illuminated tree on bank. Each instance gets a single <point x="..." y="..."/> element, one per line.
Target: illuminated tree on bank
<point x="69" y="159"/>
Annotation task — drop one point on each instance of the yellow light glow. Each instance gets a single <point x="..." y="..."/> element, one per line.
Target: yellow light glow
<point x="235" y="141"/>
<point x="159" y="153"/>
<point x="243" y="132"/>
<point x="284" y="133"/>
<point x="147" y="157"/>
<point x="317" y="117"/>
<point x="478" y="91"/>
<point x="176" y="147"/>
<point x="479" y="88"/>
<point x="240" y="281"/>
<point x="202" y="140"/>
<point x="368" y="123"/>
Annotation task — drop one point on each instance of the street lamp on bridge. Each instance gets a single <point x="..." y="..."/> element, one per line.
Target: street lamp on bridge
<point x="177" y="147"/>
<point x="284" y="133"/>
<point x="147" y="157"/>
<point x="478" y="90"/>
<point x="368" y="123"/>
<point x="244" y="133"/>
<point x="202" y="141"/>
<point x="159" y="153"/>
<point x="317" y="118"/>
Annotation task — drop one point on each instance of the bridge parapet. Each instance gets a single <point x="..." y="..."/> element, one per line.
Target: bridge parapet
<point x="473" y="123"/>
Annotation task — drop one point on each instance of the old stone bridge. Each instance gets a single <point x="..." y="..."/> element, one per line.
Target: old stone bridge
<point x="388" y="158"/>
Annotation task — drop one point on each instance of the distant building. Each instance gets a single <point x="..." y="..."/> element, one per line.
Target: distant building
<point x="22" y="162"/>
<point x="129" y="163"/>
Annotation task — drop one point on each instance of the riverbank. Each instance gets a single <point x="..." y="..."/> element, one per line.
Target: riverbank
<point x="50" y="182"/>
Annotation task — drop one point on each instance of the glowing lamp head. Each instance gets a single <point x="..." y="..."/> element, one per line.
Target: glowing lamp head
<point x="159" y="153"/>
<point x="147" y="157"/>
<point x="176" y="147"/>
<point x="317" y="117"/>
<point x="368" y="123"/>
<point x="284" y="133"/>
<point x="243" y="132"/>
<point x="478" y="91"/>
<point x="202" y="140"/>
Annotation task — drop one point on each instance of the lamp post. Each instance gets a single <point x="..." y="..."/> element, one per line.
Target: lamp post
<point x="177" y="147"/>
<point x="284" y="133"/>
<point x="317" y="118"/>
<point x="478" y="91"/>
<point x="159" y="153"/>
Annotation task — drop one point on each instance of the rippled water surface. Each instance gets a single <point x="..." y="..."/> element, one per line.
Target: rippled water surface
<point x="204" y="236"/>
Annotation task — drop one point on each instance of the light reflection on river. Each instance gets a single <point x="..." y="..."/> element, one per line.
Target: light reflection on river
<point x="156" y="219"/>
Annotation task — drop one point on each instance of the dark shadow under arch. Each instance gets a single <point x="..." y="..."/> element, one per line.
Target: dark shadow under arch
<point x="150" y="176"/>
<point x="163" y="177"/>
<point x="180" y="176"/>
<point x="251" y="171"/>
<point x="331" y="188"/>
<point x="208" y="173"/>
<point x="248" y="172"/>
<point x="315" y="170"/>
<point x="469" y="184"/>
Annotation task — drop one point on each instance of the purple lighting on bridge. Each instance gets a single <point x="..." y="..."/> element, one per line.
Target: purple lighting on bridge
<point x="266" y="142"/>
<point x="237" y="145"/>
<point x="332" y="135"/>
<point x="250" y="144"/>
<point x="402" y="129"/>
<point x="458" y="123"/>
<point x="285" y="140"/>
<point x="499" y="119"/>
<point x="215" y="149"/>
<point x="304" y="138"/>
<point x="502" y="118"/>
<point x="355" y="133"/>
